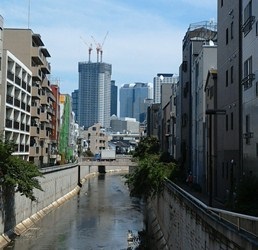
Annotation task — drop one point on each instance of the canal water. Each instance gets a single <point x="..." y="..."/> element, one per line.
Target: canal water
<point x="98" y="218"/>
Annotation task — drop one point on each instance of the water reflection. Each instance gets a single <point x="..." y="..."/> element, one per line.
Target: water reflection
<point x="98" y="218"/>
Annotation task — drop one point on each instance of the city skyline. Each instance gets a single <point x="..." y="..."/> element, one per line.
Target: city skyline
<point x="143" y="37"/>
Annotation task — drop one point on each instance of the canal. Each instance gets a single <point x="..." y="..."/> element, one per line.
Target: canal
<point x="97" y="218"/>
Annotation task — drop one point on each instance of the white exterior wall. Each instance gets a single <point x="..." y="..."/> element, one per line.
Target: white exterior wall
<point x="16" y="98"/>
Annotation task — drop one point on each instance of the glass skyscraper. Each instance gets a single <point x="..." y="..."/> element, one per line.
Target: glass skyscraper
<point x="113" y="98"/>
<point x="94" y="93"/>
<point x="132" y="100"/>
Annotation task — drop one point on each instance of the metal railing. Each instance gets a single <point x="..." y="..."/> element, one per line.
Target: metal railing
<point x="247" y="223"/>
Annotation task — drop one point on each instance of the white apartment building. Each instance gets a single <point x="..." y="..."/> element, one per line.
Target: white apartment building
<point x="15" y="90"/>
<point x="162" y="78"/>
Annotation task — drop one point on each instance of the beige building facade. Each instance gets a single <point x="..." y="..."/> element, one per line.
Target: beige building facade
<point x="29" y="49"/>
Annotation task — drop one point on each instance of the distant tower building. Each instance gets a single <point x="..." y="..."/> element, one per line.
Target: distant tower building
<point x="113" y="98"/>
<point x="162" y="78"/>
<point x="75" y="103"/>
<point x="94" y="93"/>
<point x="132" y="100"/>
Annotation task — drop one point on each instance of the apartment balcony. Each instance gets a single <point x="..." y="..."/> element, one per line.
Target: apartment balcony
<point x="36" y="73"/>
<point x="46" y="68"/>
<point x="34" y="131"/>
<point x="46" y="83"/>
<point x="43" y="134"/>
<point x="35" y="92"/>
<point x="36" y="55"/>
<point x="50" y="110"/>
<point x="35" y="112"/>
<point x="44" y="100"/>
<point x="44" y="117"/>
<point x="34" y="151"/>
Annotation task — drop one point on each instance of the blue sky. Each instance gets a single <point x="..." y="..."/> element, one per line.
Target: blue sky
<point x="144" y="36"/>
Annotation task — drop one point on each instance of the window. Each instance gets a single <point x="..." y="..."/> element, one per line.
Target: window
<point x="227" y="36"/>
<point x="248" y="19"/>
<point x="226" y="122"/>
<point x="221" y="3"/>
<point x="248" y="75"/>
<point x="227" y="172"/>
<point x="232" y="30"/>
<point x="231" y="74"/>
<point x="232" y="121"/>
<point x="256" y="149"/>
<point x="256" y="88"/>
<point x="256" y="28"/>
<point x="226" y="78"/>
<point x="223" y="169"/>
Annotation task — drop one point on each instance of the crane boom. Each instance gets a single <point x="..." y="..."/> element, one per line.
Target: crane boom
<point x="89" y="47"/>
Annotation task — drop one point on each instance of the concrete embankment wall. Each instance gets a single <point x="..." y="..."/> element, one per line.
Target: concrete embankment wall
<point x="59" y="185"/>
<point x="176" y="222"/>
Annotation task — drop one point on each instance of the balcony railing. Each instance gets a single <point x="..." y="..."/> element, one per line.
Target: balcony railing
<point x="247" y="81"/>
<point x="247" y="26"/>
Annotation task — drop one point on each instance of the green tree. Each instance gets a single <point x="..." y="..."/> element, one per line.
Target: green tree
<point x="147" y="146"/>
<point x="147" y="178"/>
<point x="16" y="175"/>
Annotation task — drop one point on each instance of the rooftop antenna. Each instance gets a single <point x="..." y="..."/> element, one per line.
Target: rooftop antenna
<point x="89" y="48"/>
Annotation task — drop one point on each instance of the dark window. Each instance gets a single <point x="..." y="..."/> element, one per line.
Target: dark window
<point x="248" y="74"/>
<point x="223" y="169"/>
<point x="226" y="122"/>
<point x="227" y="172"/>
<point x="227" y="36"/>
<point x="231" y="74"/>
<point x="248" y="18"/>
<point x="221" y="3"/>
<point x="256" y="149"/>
<point x="256" y="28"/>
<point x="232" y="121"/>
<point x="232" y="30"/>
<point x="226" y="78"/>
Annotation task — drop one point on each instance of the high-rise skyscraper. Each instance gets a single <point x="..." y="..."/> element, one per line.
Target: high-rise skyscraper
<point x="113" y="98"/>
<point x="132" y="100"/>
<point x="162" y="78"/>
<point x="94" y="93"/>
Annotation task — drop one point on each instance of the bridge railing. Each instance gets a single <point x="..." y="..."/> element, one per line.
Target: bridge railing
<point x="243" y="222"/>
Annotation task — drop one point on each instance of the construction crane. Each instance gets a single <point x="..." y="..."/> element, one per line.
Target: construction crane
<point x="99" y="47"/>
<point x="89" y="48"/>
